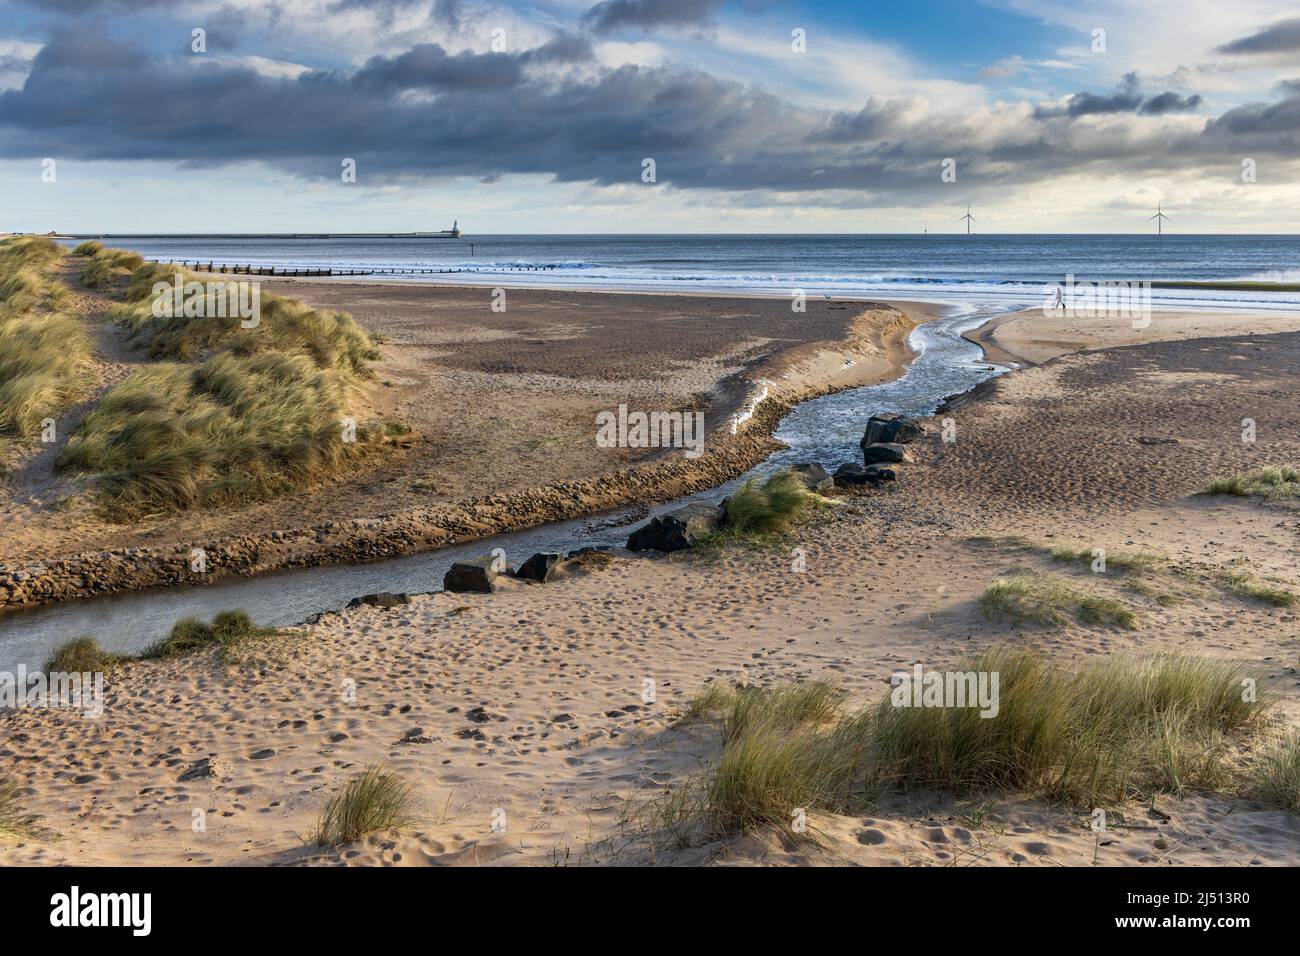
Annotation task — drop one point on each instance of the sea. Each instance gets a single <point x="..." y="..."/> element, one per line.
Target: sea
<point x="970" y="271"/>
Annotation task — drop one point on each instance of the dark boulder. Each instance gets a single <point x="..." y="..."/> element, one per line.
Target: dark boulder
<point x="477" y="575"/>
<point x="878" y="473"/>
<point x="540" y="567"/>
<point x="382" y="599"/>
<point x="813" y="475"/>
<point x="891" y="428"/>
<point x="677" y="530"/>
<point x="885" y="452"/>
<point x="851" y="474"/>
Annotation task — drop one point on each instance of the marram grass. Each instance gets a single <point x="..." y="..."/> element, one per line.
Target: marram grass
<point x="1112" y="730"/>
<point x="370" y="802"/>
<point x="1277" y="482"/>
<point x="332" y="340"/>
<point x="43" y="354"/>
<point x="232" y="430"/>
<point x="1052" y="600"/>
<point x="15" y="822"/>
<point x="228" y="631"/>
<point x="228" y="415"/>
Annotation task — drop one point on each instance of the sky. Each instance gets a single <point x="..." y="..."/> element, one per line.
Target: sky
<point x="550" y="116"/>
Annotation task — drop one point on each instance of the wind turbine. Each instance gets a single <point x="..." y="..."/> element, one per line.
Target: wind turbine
<point x="1160" y="219"/>
<point x="968" y="219"/>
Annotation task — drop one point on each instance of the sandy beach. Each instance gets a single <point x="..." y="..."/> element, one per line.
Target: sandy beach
<point x="519" y="717"/>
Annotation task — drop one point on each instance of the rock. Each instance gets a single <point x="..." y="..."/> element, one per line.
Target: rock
<point x="879" y="473"/>
<point x="890" y="427"/>
<point x="590" y="549"/>
<point x="540" y="567"/>
<point x="813" y="475"/>
<point x="851" y="474"/>
<point x="885" y="451"/>
<point x="476" y="576"/>
<point x="382" y="599"/>
<point x="677" y="530"/>
<point x="206" y="767"/>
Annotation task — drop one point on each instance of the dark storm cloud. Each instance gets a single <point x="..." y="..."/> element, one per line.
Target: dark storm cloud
<point x="561" y="48"/>
<point x="1271" y="126"/>
<point x="1128" y="99"/>
<point x="1170" y="102"/>
<point x="428" y="66"/>
<point x="428" y="113"/>
<point x="1280" y="37"/>
<point x="611" y="15"/>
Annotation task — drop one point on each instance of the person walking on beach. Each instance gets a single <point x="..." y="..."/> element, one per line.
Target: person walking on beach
<point x="1060" y="300"/>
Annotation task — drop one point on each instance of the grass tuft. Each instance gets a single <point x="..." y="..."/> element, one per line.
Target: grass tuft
<point x="15" y="823"/>
<point x="371" y="802"/>
<point x="769" y="506"/>
<point x="43" y="354"/>
<point x="1110" y="731"/>
<point x="1276" y="482"/>
<point x="104" y="264"/>
<point x="229" y="431"/>
<point x="1052" y="600"/>
<point x="1244" y="584"/>
<point x="1128" y="562"/>
<point x="1275" y="774"/>
<point x="332" y="340"/>
<point x="227" y="630"/>
<point x="81" y="655"/>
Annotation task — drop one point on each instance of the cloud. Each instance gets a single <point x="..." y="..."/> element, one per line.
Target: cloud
<point x="1004" y="68"/>
<point x="426" y="113"/>
<point x="610" y="15"/>
<point x="1280" y="37"/>
<point x="1170" y="102"/>
<point x="1273" y="126"/>
<point x="1128" y="99"/>
<point x="428" y="66"/>
<point x="77" y="7"/>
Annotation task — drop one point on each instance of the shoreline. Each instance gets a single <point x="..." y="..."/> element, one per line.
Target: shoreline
<point x="878" y="340"/>
<point x="1031" y="337"/>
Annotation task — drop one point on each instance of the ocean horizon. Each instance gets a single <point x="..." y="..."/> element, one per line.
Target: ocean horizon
<point x="981" y="269"/>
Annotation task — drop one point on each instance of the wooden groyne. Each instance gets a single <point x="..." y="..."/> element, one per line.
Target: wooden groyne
<point x="227" y="268"/>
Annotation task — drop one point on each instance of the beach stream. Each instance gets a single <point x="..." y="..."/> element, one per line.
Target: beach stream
<point x="825" y="430"/>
